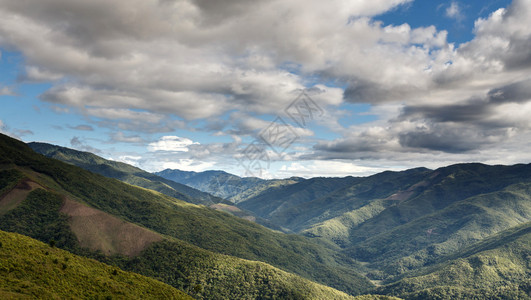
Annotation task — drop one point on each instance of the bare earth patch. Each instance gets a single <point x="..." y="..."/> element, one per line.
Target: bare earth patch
<point x="98" y="230"/>
<point x="18" y="194"/>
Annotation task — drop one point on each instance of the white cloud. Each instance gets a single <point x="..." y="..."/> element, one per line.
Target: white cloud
<point x="186" y="165"/>
<point x="138" y="65"/>
<point x="121" y="137"/>
<point x="323" y="168"/>
<point x="171" y="143"/>
<point x="454" y="11"/>
<point x="130" y="159"/>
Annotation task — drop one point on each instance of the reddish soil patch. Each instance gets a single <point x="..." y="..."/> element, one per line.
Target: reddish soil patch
<point x="98" y="230"/>
<point x="18" y="194"/>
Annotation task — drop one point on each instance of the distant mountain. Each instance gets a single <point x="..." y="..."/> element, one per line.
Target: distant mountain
<point x="31" y="269"/>
<point x="156" y="235"/>
<point x="141" y="178"/>
<point x="227" y="186"/>
<point x="125" y="173"/>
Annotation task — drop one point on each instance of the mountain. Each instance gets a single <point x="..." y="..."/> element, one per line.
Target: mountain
<point x="85" y="212"/>
<point x="307" y="203"/>
<point x="141" y="178"/>
<point x="397" y="222"/>
<point x="32" y="269"/>
<point x="457" y="232"/>
<point x="125" y="173"/>
<point x="227" y="186"/>
<point x="499" y="267"/>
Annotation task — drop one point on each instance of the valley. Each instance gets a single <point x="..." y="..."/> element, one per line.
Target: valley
<point x="460" y="231"/>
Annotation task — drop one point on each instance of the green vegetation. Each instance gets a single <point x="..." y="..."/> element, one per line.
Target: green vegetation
<point x="9" y="179"/>
<point x="398" y="222"/>
<point x="198" y="225"/>
<point x="458" y="232"/>
<point x="308" y="203"/>
<point x="206" y="275"/>
<point x="125" y="173"/>
<point x="425" y="239"/>
<point x="498" y="267"/>
<point x="38" y="217"/>
<point x="135" y="176"/>
<point x="31" y="269"/>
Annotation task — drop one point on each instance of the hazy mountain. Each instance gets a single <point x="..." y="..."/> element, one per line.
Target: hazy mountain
<point x="153" y="234"/>
<point x="222" y="184"/>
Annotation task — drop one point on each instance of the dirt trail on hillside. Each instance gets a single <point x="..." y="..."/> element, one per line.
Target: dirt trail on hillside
<point x="18" y="194"/>
<point x="98" y="230"/>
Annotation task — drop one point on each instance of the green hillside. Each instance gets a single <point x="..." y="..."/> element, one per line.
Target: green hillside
<point x="498" y="267"/>
<point x="124" y="172"/>
<point x="463" y="223"/>
<point x="141" y="178"/>
<point x="207" y="275"/>
<point x="198" y="225"/>
<point x="30" y="269"/>
<point x="397" y="222"/>
<point x="308" y="203"/>
<point x="201" y="273"/>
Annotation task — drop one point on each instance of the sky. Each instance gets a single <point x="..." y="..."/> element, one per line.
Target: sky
<point x="271" y="88"/>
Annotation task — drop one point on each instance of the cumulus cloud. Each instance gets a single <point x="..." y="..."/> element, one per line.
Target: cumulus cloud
<point x="169" y="57"/>
<point x="153" y="66"/>
<point x="171" y="143"/>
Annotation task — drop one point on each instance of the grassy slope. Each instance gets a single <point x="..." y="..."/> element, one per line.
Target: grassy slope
<point x="201" y="273"/>
<point x="498" y="267"/>
<point x="198" y="225"/>
<point x="31" y="269"/>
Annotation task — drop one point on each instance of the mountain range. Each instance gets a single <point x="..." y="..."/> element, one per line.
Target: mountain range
<point x="457" y="232"/>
